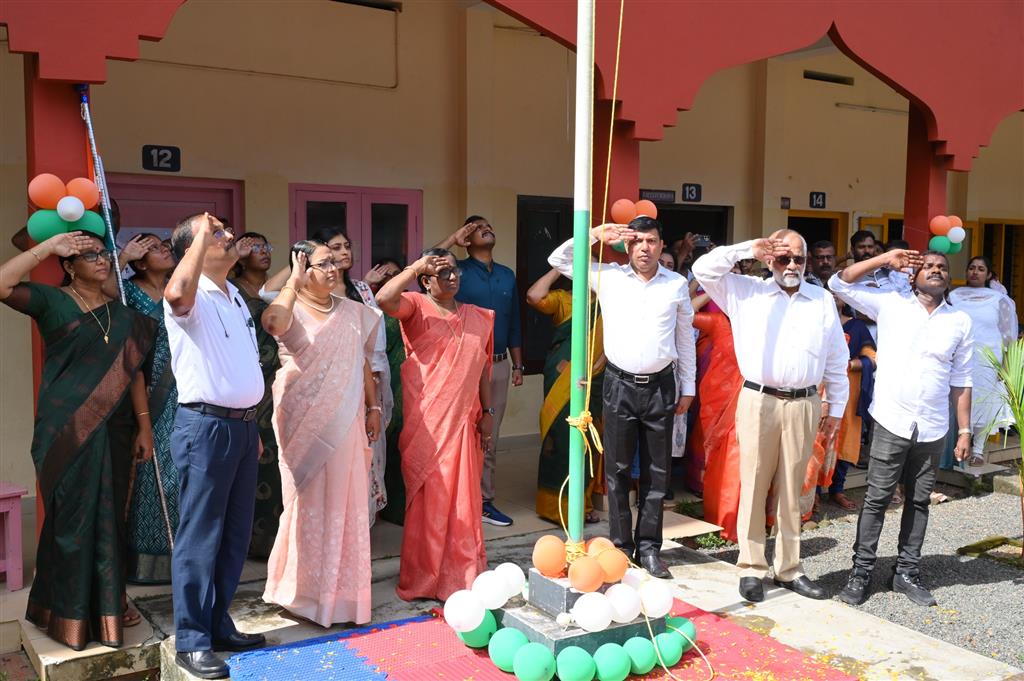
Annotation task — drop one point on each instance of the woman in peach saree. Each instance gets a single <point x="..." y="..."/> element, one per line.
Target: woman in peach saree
<point x="447" y="421"/>
<point x="325" y="416"/>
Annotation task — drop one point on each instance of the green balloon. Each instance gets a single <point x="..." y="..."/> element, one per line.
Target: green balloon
<point x="481" y="636"/>
<point x="641" y="653"/>
<point x="955" y="248"/>
<point x="45" y="224"/>
<point x="619" y="246"/>
<point x="685" y="626"/>
<point x="612" y="662"/>
<point x="90" y="221"/>
<point x="575" y="664"/>
<point x="671" y="646"/>
<point x="940" y="244"/>
<point x="504" y="645"/>
<point x="534" y="662"/>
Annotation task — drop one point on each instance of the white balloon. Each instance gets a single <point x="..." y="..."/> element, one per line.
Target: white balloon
<point x="491" y="589"/>
<point x="70" y="208"/>
<point x="655" y="598"/>
<point x="563" y="619"/>
<point x="955" y="234"/>
<point x="514" y="578"/>
<point x="592" y="612"/>
<point x="463" y="611"/>
<point x="634" y="577"/>
<point x="625" y="602"/>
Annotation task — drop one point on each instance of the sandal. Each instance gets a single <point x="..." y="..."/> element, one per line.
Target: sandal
<point x="844" y="502"/>
<point x="591" y="517"/>
<point x="131" y="616"/>
<point x="976" y="460"/>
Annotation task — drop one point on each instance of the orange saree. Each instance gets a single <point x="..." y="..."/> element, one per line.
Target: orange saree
<point x="442" y="460"/>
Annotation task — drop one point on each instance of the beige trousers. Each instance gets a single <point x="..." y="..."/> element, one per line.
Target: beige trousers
<point x="775" y="439"/>
<point x="501" y="375"/>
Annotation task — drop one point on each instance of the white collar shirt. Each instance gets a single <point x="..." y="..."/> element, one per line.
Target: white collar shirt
<point x="782" y="341"/>
<point x="648" y="325"/>
<point x="214" y="352"/>
<point x="921" y="355"/>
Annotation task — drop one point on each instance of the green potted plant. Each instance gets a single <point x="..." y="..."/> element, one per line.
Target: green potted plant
<point x="1010" y="371"/>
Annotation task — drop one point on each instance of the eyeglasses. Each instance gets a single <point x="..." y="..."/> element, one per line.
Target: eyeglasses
<point x="262" y="248"/>
<point x="93" y="256"/>
<point x="786" y="259"/>
<point x="449" y="274"/>
<point x="219" y="234"/>
<point x="325" y="266"/>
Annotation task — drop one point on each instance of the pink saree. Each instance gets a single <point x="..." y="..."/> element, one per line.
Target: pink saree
<point x="320" y="565"/>
<point x="443" y="543"/>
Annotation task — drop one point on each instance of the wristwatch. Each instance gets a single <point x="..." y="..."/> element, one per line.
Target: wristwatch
<point x="489" y="410"/>
<point x="521" y="367"/>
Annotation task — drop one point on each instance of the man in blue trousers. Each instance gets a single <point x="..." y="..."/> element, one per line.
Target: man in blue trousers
<point x="214" y="444"/>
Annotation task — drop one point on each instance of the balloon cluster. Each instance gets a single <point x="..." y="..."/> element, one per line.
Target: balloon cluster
<point x="624" y="211"/>
<point x="949" y="234"/>
<point x="63" y="207"/>
<point x="468" y="611"/>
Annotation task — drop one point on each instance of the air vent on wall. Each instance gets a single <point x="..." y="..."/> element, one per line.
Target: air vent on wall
<point x="828" y="77"/>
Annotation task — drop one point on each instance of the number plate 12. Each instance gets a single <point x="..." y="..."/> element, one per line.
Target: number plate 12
<point x="163" y="159"/>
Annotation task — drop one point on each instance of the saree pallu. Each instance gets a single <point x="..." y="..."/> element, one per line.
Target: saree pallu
<point x="81" y="448"/>
<point x="394" y="512"/>
<point x="442" y="460"/>
<point x="268" y="475"/>
<point x="553" y="465"/>
<point x="149" y="531"/>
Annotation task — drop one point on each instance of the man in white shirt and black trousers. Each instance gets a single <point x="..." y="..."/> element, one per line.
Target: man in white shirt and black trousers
<point x="924" y="356"/>
<point x="788" y="340"/>
<point x="651" y="377"/>
<point x="214" y="444"/>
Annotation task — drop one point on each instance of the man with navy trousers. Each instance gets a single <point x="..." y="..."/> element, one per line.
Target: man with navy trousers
<point x="214" y="444"/>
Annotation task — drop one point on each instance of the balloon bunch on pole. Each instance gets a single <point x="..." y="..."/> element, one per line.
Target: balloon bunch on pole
<point x="948" y="234"/>
<point x="63" y="207"/>
<point x="624" y="211"/>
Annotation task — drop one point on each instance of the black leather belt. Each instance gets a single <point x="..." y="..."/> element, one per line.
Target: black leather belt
<point x="784" y="393"/>
<point x="222" y="412"/>
<point x="499" y="358"/>
<point x="639" y="379"/>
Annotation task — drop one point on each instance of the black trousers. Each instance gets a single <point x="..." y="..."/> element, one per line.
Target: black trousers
<point x="895" y="459"/>
<point x="637" y="415"/>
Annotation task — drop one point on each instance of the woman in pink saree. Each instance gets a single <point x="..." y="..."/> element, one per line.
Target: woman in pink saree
<point x="447" y="422"/>
<point x="326" y="415"/>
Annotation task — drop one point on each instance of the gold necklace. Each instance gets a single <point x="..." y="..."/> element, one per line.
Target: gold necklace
<point x="106" y="306"/>
<point x="456" y="313"/>
<point x="318" y="309"/>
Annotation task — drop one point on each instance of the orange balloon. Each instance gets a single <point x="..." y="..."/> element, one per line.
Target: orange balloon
<point x="940" y="225"/>
<point x="549" y="556"/>
<point x="645" y="207"/>
<point x="623" y="211"/>
<point x="614" y="564"/>
<point x="46" y="190"/>
<point x="598" y="544"/>
<point x="585" y="574"/>
<point x="86" y="191"/>
<point x="954" y="221"/>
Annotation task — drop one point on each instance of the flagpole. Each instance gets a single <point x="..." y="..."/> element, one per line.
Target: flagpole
<point x="581" y="251"/>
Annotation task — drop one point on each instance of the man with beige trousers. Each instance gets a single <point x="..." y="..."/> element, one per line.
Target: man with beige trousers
<point x="788" y="341"/>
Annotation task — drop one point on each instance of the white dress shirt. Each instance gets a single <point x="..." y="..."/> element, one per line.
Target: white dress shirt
<point x="647" y="324"/>
<point x="782" y="341"/>
<point x="920" y="357"/>
<point x="214" y="355"/>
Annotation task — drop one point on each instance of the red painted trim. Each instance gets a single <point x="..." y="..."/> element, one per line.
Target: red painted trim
<point x="155" y="181"/>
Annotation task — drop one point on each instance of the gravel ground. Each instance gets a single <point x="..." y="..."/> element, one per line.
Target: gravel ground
<point x="981" y="601"/>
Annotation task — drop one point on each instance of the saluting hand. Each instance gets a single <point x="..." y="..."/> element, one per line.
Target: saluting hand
<point x="300" y="274"/>
<point x="766" y="250"/>
<point x="611" y="233"/>
<point x="463" y="233"/>
<point x="67" y="245"/>
<point x="244" y="246"/>
<point x="137" y="248"/>
<point x="375" y="275"/>
<point x="903" y="260"/>
<point x="429" y="265"/>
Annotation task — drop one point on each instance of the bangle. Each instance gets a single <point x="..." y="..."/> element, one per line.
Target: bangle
<point x="33" y="252"/>
<point x="964" y="431"/>
<point x="286" y="286"/>
<point x="142" y="413"/>
<point x="375" y="407"/>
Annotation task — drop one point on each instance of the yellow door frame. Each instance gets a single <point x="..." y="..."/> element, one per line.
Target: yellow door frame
<point x="839" y="227"/>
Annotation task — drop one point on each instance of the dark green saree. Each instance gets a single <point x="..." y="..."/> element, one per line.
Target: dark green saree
<point x="81" y="447"/>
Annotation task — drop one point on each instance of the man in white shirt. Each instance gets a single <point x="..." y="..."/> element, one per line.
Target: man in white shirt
<point x="214" y="444"/>
<point x="788" y="339"/>
<point x="923" y="359"/>
<point x="650" y="377"/>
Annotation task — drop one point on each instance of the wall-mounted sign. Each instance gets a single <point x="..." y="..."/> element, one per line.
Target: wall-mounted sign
<point x="658" y="195"/>
<point x="691" y="192"/>
<point x="817" y="200"/>
<point x="784" y="203"/>
<point x="163" y="159"/>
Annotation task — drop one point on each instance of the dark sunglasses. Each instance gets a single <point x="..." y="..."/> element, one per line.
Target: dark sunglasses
<point x="93" y="256"/>
<point x="449" y="274"/>
<point x="784" y="260"/>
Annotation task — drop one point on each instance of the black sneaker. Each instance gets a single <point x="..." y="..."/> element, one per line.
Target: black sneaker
<point x="911" y="587"/>
<point x="856" y="590"/>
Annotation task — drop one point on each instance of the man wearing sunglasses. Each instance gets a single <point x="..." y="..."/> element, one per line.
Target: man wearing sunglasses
<point x="788" y="341"/>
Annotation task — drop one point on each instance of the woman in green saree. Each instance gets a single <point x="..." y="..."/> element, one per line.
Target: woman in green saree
<point x="92" y="396"/>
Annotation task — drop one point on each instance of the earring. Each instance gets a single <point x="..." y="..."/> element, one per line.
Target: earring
<point x="72" y="273"/>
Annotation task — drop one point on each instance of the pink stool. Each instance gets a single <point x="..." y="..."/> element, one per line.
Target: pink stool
<point x="10" y="533"/>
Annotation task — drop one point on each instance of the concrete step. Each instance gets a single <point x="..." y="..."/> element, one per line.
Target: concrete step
<point x="1006" y="483"/>
<point x="971" y="476"/>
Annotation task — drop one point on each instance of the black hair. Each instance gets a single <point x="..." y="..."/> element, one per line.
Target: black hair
<point x="473" y="218"/>
<point x="925" y="254"/>
<point x="642" y="223"/>
<point x="897" y="243"/>
<point x="386" y="260"/>
<point x="438" y="252"/>
<point x="988" y="265"/>
<point x="182" y="236"/>
<point x="862" y="235"/>
<point x="137" y="272"/>
<point x="237" y="270"/>
<point x="672" y="255"/>
<point x="63" y="259"/>
<point x="324" y="235"/>
<point x="307" y="246"/>
<point x="824" y="243"/>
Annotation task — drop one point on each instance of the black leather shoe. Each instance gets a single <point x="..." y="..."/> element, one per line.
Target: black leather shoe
<point x="752" y="589"/>
<point x="804" y="587"/>
<point x="653" y="563"/>
<point x="856" y="590"/>
<point x="239" y="641"/>
<point x="911" y="587"/>
<point x="202" y="663"/>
